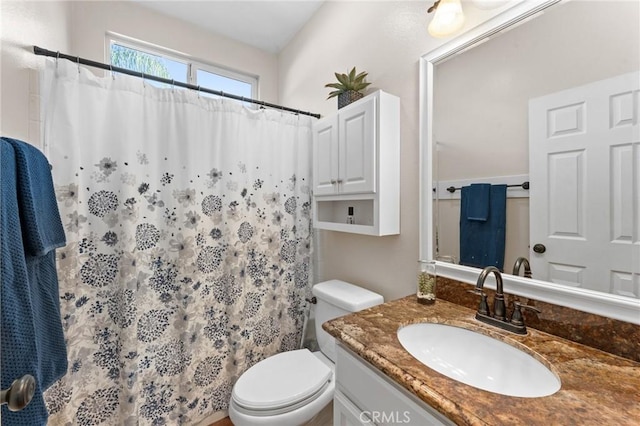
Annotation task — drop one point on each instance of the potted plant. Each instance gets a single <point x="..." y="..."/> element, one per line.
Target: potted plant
<point x="348" y="88"/>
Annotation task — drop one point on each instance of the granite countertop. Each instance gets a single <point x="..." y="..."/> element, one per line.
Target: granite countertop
<point x="598" y="388"/>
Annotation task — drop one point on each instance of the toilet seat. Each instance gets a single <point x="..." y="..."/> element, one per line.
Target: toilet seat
<point x="281" y="383"/>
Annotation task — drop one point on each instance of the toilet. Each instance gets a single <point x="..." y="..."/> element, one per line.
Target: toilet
<point x="290" y="388"/>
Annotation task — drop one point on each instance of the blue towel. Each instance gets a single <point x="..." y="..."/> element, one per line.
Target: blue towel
<point x="41" y="226"/>
<point x="479" y="196"/>
<point x="482" y="242"/>
<point x="32" y="336"/>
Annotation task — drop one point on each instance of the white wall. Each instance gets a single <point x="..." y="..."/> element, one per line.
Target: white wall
<point x="22" y="25"/>
<point x="386" y="39"/>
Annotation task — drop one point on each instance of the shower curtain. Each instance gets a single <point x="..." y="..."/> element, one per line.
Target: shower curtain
<point x="188" y="256"/>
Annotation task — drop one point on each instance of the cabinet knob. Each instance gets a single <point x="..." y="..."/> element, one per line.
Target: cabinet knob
<point x="333" y="182"/>
<point x="339" y="180"/>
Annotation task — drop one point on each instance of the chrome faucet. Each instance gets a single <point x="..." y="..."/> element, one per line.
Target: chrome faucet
<point x="527" y="267"/>
<point x="499" y="317"/>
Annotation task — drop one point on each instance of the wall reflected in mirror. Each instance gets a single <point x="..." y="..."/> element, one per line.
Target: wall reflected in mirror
<point x="481" y="122"/>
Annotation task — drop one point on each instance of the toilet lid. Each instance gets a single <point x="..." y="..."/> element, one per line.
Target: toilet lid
<point x="281" y="380"/>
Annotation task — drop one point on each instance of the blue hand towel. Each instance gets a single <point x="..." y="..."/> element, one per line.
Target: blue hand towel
<point x="41" y="225"/>
<point x="31" y="331"/>
<point x="479" y="196"/>
<point x="482" y="242"/>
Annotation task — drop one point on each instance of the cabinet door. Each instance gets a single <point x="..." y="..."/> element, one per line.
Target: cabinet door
<point x="378" y="397"/>
<point x="345" y="413"/>
<point x="325" y="156"/>
<point x="357" y="125"/>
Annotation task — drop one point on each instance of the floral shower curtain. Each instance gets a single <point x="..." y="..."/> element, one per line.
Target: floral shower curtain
<point x="188" y="255"/>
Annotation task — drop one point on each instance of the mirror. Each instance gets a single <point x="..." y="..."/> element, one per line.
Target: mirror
<point x="485" y="79"/>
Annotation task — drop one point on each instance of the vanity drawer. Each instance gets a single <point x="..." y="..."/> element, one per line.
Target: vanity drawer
<point x="383" y="401"/>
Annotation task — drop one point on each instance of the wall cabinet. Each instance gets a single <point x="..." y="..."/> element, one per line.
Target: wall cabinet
<point x="365" y="396"/>
<point x="344" y="150"/>
<point x="356" y="163"/>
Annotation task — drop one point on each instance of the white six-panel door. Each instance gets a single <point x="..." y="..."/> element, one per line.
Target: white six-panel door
<point x="584" y="161"/>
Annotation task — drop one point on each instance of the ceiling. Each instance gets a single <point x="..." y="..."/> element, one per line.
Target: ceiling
<point x="266" y="24"/>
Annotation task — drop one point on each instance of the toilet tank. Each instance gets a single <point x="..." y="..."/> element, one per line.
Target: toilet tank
<point x="335" y="299"/>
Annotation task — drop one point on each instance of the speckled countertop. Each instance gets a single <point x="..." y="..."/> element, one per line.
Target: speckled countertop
<point x="597" y="388"/>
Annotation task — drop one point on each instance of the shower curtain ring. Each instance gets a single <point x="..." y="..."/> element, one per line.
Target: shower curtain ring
<point x="198" y="90"/>
<point x="57" y="57"/>
<point x="173" y="84"/>
<point x="113" y="76"/>
<point x="78" y="62"/>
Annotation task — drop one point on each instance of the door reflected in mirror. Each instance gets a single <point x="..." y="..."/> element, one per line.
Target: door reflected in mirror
<point x="553" y="101"/>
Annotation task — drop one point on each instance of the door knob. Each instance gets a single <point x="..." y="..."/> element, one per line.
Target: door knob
<point x="539" y="248"/>
<point x="19" y="393"/>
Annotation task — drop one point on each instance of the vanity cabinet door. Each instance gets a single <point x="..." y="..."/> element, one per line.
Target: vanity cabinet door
<point x="379" y="398"/>
<point x="347" y="414"/>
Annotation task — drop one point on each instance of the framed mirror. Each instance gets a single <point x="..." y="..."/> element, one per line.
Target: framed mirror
<point x="475" y="127"/>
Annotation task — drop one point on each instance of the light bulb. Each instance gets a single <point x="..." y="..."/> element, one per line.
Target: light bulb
<point x="447" y="19"/>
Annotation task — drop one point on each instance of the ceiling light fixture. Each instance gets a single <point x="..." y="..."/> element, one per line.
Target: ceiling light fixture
<point x="448" y="18"/>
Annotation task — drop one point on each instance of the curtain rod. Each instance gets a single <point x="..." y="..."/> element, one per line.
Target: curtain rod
<point x="81" y="61"/>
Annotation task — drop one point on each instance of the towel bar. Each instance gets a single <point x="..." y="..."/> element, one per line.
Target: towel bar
<point x="523" y="185"/>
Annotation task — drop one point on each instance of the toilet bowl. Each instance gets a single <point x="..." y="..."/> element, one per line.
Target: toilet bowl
<point x="290" y="388"/>
<point x="290" y="391"/>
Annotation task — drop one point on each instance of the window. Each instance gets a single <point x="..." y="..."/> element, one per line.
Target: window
<point x="217" y="81"/>
<point x="138" y="60"/>
<point x="153" y="60"/>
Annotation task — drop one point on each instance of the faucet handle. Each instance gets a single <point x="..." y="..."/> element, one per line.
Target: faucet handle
<point x="483" y="308"/>
<point x="516" y="317"/>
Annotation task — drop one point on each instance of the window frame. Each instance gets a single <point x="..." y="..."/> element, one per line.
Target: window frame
<point x="193" y="64"/>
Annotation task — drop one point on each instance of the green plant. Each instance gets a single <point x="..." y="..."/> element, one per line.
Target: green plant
<point x="347" y="82"/>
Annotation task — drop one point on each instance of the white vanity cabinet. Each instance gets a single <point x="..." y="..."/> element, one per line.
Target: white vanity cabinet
<point x="356" y="163"/>
<point x="365" y="396"/>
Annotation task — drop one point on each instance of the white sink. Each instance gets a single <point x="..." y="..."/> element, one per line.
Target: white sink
<point x="478" y="360"/>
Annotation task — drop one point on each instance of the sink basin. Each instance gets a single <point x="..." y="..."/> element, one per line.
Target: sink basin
<point x="478" y="360"/>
